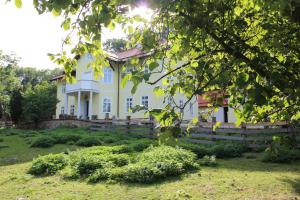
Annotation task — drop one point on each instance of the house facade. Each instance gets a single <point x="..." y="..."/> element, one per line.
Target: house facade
<point x="100" y="97"/>
<point x="224" y="113"/>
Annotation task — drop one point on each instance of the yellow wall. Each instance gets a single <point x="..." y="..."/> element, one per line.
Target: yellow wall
<point x="110" y="90"/>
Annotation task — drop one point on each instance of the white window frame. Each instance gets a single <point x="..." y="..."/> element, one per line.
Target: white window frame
<point x="181" y="105"/>
<point x="146" y="70"/>
<point x="63" y="88"/>
<point x="110" y="102"/>
<point x="128" y="105"/>
<point x="108" y="75"/>
<point x="72" y="109"/>
<point x="191" y="108"/>
<point x="62" y="110"/>
<point x="142" y="101"/>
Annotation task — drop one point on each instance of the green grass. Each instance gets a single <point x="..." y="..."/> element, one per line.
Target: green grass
<point x="238" y="178"/>
<point x="233" y="179"/>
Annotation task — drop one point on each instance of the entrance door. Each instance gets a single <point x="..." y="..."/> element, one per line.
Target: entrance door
<point x="85" y="109"/>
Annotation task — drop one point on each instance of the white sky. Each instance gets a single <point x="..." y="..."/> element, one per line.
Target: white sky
<point x="31" y="36"/>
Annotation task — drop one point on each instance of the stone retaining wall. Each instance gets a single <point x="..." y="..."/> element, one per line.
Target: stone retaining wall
<point x="64" y="123"/>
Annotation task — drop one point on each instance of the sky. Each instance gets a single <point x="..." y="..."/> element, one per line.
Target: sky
<point x="32" y="36"/>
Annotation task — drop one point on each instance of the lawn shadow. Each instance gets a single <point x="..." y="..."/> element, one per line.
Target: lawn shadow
<point x="295" y="183"/>
<point x="256" y="165"/>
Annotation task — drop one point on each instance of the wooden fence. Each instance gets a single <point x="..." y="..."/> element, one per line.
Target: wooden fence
<point x="252" y="135"/>
<point x="143" y="127"/>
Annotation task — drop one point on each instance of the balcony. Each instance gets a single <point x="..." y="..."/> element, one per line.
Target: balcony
<point x="83" y="85"/>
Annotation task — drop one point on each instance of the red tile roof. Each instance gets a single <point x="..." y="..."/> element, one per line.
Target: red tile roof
<point x="125" y="55"/>
<point x="203" y="101"/>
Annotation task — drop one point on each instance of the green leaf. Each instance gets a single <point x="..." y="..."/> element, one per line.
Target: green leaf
<point x="153" y="65"/>
<point x="158" y="91"/>
<point x="18" y="3"/>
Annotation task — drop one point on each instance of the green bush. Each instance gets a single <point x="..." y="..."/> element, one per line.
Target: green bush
<point x="209" y="161"/>
<point x="282" y="154"/>
<point x="48" y="165"/>
<point x="1" y="139"/>
<point x="43" y="141"/>
<point x="199" y="150"/>
<point x="228" y="150"/>
<point x="89" y="141"/>
<point x="67" y="138"/>
<point x="109" y="139"/>
<point x="141" y="144"/>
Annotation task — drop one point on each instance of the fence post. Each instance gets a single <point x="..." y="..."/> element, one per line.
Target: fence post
<point x="213" y="123"/>
<point x="128" y="124"/>
<point x="151" y="128"/>
<point x="243" y="133"/>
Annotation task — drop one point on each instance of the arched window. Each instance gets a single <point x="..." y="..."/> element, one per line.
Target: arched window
<point x="108" y="75"/>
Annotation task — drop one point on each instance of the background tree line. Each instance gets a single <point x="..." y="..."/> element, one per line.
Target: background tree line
<point x="26" y="95"/>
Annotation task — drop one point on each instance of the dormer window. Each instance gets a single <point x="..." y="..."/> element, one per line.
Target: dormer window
<point x="108" y="75"/>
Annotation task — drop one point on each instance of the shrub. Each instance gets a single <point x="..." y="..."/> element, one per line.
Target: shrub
<point x="43" y="141"/>
<point x="48" y="165"/>
<point x="1" y="139"/>
<point x="89" y="141"/>
<point x="63" y="139"/>
<point x="140" y="145"/>
<point x="199" y="150"/>
<point x="109" y="140"/>
<point x="208" y="161"/>
<point x="228" y="150"/>
<point x="282" y="154"/>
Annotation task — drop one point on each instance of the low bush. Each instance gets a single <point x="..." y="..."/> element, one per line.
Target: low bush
<point x="141" y="144"/>
<point x="67" y="138"/>
<point x="199" y="150"/>
<point x="109" y="139"/>
<point x="89" y="141"/>
<point x="282" y="154"/>
<point x="48" y="165"/>
<point x="1" y="139"/>
<point x="209" y="161"/>
<point x="228" y="150"/>
<point x="43" y="141"/>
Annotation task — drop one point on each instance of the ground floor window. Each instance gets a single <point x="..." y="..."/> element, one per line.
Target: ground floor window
<point x="106" y="105"/>
<point x="72" y="109"/>
<point x="62" y="110"/>
<point x="145" y="101"/>
<point x="129" y="103"/>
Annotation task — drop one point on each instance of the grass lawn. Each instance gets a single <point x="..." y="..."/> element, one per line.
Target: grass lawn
<point x="238" y="178"/>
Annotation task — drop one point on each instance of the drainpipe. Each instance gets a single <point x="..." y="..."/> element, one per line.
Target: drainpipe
<point x="118" y="92"/>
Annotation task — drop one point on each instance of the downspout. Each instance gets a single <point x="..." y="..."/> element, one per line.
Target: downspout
<point x="118" y="93"/>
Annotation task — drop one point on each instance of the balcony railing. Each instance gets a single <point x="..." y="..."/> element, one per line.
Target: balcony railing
<point x="83" y="85"/>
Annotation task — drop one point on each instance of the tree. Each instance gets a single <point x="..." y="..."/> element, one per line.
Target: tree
<point x="250" y="48"/>
<point x="39" y="103"/>
<point x="8" y="82"/>
<point x="15" y="104"/>
<point x="115" y="45"/>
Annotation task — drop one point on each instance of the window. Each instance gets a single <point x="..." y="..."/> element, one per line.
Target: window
<point x="145" y="101"/>
<point x="181" y="105"/>
<point x="107" y="75"/>
<point x="63" y="89"/>
<point x="129" y="70"/>
<point x="169" y="101"/>
<point x="191" y="108"/>
<point x="129" y="101"/>
<point x="72" y="110"/>
<point x="146" y="70"/>
<point x="87" y="76"/>
<point x="62" y="110"/>
<point x="106" y="105"/>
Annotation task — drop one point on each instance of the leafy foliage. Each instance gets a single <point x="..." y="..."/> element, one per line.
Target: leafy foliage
<point x="248" y="48"/>
<point x="48" y="165"/>
<point x="39" y="103"/>
<point x="43" y="141"/>
<point x="89" y="141"/>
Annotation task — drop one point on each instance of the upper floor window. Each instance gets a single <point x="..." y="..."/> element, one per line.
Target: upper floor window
<point x="146" y="70"/>
<point x="129" y="103"/>
<point x="181" y="105"/>
<point x="129" y="70"/>
<point x="87" y="76"/>
<point x="191" y="108"/>
<point x="145" y="101"/>
<point x="106" y="105"/>
<point x="63" y="89"/>
<point x="72" y="110"/>
<point x="108" y="75"/>
<point x="62" y="110"/>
